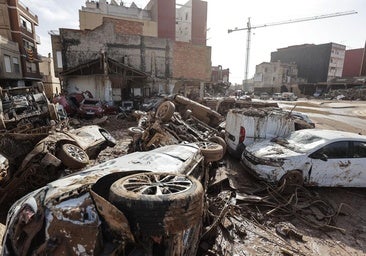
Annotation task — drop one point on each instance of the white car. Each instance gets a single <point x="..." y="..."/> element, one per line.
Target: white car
<point x="311" y="157"/>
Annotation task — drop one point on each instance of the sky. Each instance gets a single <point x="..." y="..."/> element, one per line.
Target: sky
<point x="229" y="49"/>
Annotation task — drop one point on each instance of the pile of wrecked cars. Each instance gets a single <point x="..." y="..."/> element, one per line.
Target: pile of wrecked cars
<point x="32" y="157"/>
<point x="179" y="120"/>
<point x="142" y="203"/>
<point x="36" y="146"/>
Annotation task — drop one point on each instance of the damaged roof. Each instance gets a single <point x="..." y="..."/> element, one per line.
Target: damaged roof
<point x="96" y="66"/>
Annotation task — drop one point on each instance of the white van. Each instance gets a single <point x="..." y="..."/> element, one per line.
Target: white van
<point x="244" y="126"/>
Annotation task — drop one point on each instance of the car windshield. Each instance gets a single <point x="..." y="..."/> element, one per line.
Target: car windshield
<point x="91" y="102"/>
<point x="300" y="141"/>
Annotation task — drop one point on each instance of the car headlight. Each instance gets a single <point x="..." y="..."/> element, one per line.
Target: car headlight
<point x="276" y="162"/>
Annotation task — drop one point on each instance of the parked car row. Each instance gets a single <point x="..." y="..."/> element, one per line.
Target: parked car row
<point x="288" y="96"/>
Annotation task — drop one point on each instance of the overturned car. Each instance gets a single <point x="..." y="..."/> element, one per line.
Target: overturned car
<point x="34" y="159"/>
<point x="144" y="203"/>
<point x="21" y="105"/>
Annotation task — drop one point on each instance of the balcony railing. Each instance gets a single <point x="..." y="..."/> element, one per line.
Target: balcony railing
<point x="27" y="9"/>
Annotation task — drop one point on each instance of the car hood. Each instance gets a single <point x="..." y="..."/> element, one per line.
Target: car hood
<point x="269" y="149"/>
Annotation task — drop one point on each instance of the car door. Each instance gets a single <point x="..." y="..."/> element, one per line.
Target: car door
<point x="338" y="164"/>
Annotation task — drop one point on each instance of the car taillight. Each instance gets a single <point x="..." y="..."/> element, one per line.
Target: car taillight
<point x="241" y="134"/>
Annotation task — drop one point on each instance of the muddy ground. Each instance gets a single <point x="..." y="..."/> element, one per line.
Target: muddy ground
<point x="248" y="226"/>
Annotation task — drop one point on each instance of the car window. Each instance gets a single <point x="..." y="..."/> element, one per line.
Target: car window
<point x="335" y="150"/>
<point x="359" y="149"/>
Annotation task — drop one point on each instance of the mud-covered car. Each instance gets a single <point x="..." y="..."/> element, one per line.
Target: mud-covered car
<point x="25" y="105"/>
<point x="47" y="160"/>
<point x="144" y="203"/>
<point x="312" y="157"/>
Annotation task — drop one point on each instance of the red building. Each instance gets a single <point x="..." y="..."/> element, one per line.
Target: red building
<point x="354" y="63"/>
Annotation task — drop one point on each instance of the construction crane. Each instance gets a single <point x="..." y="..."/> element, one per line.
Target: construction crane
<point x="250" y="27"/>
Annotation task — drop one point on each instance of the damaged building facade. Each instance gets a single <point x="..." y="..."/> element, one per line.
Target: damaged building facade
<point x="151" y="51"/>
<point x="275" y="77"/>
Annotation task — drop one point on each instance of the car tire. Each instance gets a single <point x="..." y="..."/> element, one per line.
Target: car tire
<point x="159" y="203"/>
<point x="110" y="140"/>
<point x="165" y="111"/>
<point x="135" y="131"/>
<point x="219" y="140"/>
<point x="211" y="151"/>
<point x="291" y="180"/>
<point x="73" y="156"/>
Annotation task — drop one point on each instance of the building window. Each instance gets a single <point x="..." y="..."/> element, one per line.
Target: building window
<point x="31" y="67"/>
<point x="16" y="65"/>
<point x="24" y="23"/>
<point x="7" y="64"/>
<point x="59" y="59"/>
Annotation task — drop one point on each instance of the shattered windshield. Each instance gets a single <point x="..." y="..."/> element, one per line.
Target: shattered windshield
<point x="300" y="141"/>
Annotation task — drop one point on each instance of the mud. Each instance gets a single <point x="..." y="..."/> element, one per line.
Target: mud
<point x="246" y="228"/>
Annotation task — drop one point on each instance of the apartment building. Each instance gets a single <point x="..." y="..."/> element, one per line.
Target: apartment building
<point x="274" y="77"/>
<point x="315" y="63"/>
<point x="19" y="61"/>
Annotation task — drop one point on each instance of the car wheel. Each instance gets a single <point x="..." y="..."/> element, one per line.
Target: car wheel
<point x="291" y="180"/>
<point x="73" y="156"/>
<point x="220" y="141"/>
<point x="211" y="151"/>
<point x="111" y="141"/>
<point x="133" y="131"/>
<point x="165" y="111"/>
<point x="158" y="203"/>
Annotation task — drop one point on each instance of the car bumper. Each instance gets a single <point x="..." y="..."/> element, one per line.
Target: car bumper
<point x="262" y="172"/>
<point x="237" y="152"/>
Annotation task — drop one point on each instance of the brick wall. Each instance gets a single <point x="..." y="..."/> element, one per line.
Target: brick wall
<point x="126" y="27"/>
<point x="191" y="61"/>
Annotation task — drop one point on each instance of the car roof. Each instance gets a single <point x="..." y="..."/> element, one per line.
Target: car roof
<point x="333" y="134"/>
